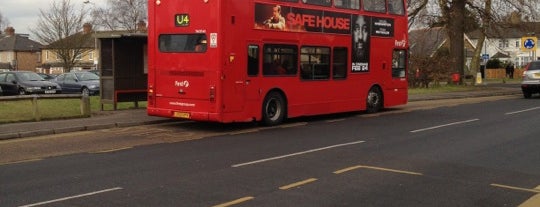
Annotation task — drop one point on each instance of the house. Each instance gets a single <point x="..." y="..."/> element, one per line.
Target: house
<point x="18" y="52"/>
<point x="88" y="50"/>
<point x="505" y="43"/>
<point x="85" y="52"/>
<point x="428" y="42"/>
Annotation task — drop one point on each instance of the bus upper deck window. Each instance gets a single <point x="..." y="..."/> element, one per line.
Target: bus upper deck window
<point x="375" y="5"/>
<point x="347" y="4"/>
<point x="396" y="7"/>
<point x="182" y="43"/>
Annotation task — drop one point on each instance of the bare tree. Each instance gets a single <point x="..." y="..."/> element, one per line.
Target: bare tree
<point x="60" y="27"/>
<point x="451" y="14"/>
<point x="121" y="14"/>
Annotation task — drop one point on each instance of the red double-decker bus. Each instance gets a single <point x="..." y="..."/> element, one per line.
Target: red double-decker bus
<point x="268" y="60"/>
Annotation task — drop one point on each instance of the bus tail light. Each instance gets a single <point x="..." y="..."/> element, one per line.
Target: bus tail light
<point x="212" y="94"/>
<point x="151" y="100"/>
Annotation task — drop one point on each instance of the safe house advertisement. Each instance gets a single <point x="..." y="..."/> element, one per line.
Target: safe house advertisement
<point x="360" y="27"/>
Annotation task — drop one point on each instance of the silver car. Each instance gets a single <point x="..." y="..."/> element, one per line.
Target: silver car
<point x="531" y="79"/>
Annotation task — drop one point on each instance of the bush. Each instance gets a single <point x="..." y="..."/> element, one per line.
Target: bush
<point x="494" y="63"/>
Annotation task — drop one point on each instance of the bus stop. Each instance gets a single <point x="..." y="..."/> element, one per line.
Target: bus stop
<point x="123" y="68"/>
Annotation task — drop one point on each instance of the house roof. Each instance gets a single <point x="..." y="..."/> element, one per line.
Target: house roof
<point x="18" y="42"/>
<point x="500" y="55"/>
<point x="425" y="42"/>
<point x="509" y="31"/>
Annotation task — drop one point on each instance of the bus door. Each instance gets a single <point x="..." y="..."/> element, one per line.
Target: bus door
<point x="399" y="69"/>
<point x="252" y="72"/>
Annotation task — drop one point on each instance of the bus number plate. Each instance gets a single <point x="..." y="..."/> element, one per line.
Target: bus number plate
<point x="183" y="115"/>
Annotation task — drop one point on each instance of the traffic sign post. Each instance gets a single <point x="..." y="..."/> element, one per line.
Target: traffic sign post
<point x="528" y="44"/>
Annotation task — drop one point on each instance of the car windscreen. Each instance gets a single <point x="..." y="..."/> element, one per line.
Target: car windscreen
<point x="29" y="77"/>
<point x="87" y="76"/>
<point x="534" y="66"/>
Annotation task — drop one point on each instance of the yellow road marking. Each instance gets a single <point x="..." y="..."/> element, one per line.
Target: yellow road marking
<point x="335" y="120"/>
<point x="112" y="150"/>
<point x="293" y="125"/>
<point x="347" y="169"/>
<point x="286" y="187"/>
<point x="516" y="188"/>
<point x="532" y="202"/>
<point x="244" y="131"/>
<point x="237" y="201"/>
<point x="22" y="161"/>
<point x="376" y="168"/>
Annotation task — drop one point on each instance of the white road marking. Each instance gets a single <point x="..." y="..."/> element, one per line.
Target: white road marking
<point x="73" y="197"/>
<point x="522" y="111"/>
<point x="296" y="154"/>
<point x="444" y="125"/>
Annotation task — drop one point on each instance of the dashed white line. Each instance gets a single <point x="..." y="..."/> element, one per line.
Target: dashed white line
<point x="73" y="197"/>
<point x="296" y="154"/>
<point x="444" y="125"/>
<point x="522" y="111"/>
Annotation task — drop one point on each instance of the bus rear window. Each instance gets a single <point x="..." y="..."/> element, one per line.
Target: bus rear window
<point x="182" y="43"/>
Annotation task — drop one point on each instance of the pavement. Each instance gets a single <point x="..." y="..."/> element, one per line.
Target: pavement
<point x="136" y="117"/>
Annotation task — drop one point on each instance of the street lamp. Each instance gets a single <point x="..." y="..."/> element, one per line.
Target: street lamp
<point x="95" y="38"/>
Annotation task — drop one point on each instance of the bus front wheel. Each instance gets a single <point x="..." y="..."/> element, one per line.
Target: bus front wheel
<point x="374" y="100"/>
<point x="273" y="110"/>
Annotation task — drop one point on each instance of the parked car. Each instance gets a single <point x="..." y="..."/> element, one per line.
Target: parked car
<point x="95" y="72"/>
<point x="531" y="79"/>
<point x="26" y="82"/>
<point x="46" y="76"/>
<point x="82" y="82"/>
<point x="1" y="93"/>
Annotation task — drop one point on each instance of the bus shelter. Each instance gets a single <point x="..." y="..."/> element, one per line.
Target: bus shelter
<point x="123" y="68"/>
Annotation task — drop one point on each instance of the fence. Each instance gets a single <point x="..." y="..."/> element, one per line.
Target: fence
<point x="85" y="102"/>
<point x="501" y="73"/>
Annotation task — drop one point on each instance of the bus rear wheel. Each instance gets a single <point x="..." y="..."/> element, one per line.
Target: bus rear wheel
<point x="374" y="101"/>
<point x="273" y="110"/>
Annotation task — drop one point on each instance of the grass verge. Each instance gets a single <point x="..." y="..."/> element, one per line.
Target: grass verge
<point x="21" y="111"/>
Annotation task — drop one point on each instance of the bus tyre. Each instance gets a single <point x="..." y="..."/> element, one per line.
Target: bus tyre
<point x="374" y="100"/>
<point x="273" y="110"/>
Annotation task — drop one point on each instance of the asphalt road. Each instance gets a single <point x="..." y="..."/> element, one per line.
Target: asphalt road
<point x="469" y="152"/>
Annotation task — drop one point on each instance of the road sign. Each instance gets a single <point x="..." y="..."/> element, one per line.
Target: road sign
<point x="528" y="43"/>
<point x="485" y="56"/>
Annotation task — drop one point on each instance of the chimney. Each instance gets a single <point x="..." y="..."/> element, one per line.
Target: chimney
<point x="9" y="31"/>
<point x="87" y="28"/>
<point x="141" y="26"/>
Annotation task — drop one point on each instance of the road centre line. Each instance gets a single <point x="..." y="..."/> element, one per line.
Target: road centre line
<point x="522" y="111"/>
<point x="444" y="125"/>
<point x="237" y="201"/>
<point x="296" y="154"/>
<point x="73" y="197"/>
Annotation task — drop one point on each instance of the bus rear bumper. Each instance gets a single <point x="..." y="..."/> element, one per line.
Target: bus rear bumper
<point x="188" y="115"/>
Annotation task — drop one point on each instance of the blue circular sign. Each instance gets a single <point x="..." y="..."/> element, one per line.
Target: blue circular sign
<point x="529" y="43"/>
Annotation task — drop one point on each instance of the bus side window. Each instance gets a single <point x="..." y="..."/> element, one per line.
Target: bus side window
<point x="399" y="63"/>
<point x="339" y="66"/>
<point x="253" y="60"/>
<point x="375" y="5"/>
<point x="347" y="4"/>
<point x="280" y="60"/>
<point x="315" y="63"/>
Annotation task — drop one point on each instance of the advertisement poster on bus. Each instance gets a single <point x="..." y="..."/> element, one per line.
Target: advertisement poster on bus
<point x="285" y="18"/>
<point x="361" y="28"/>
<point x="360" y="43"/>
